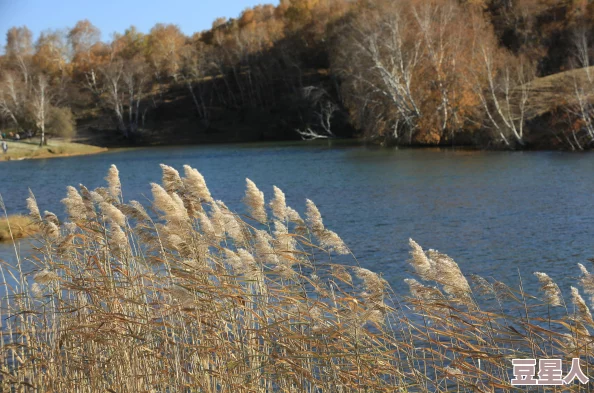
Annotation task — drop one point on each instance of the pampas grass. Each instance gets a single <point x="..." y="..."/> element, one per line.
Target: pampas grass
<point x="254" y="200"/>
<point x="551" y="291"/>
<point x="17" y="226"/>
<point x="194" y="297"/>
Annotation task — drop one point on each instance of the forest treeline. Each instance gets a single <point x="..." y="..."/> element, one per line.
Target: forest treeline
<point x="499" y="73"/>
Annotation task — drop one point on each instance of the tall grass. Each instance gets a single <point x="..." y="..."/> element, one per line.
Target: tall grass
<point x="15" y="227"/>
<point x="188" y="296"/>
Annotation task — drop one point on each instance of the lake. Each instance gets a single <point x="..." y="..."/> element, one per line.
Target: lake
<point x="496" y="213"/>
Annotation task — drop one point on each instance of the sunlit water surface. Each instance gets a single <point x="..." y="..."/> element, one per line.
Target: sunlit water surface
<point x="498" y="214"/>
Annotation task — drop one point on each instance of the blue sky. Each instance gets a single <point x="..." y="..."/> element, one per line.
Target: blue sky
<point x="112" y="15"/>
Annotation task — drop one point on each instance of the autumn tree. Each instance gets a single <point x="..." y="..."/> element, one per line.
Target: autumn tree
<point x="125" y="85"/>
<point x="164" y="49"/>
<point x="136" y="80"/>
<point x="501" y="81"/>
<point x="218" y="22"/>
<point x="35" y="104"/>
<point x="299" y="12"/>
<point x="40" y="105"/>
<point x="112" y="74"/>
<point x="81" y="38"/>
<point x="195" y="68"/>
<point x="13" y="98"/>
<point x="403" y="70"/>
<point x="410" y="72"/>
<point x="19" y="49"/>
<point x="19" y="42"/>
<point x="88" y="54"/>
<point x="130" y="45"/>
<point x="52" y="53"/>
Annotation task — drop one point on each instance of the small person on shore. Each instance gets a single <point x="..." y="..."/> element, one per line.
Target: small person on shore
<point x="4" y="147"/>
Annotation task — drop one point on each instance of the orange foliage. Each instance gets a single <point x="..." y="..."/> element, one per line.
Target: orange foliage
<point x="431" y="51"/>
<point x="450" y="50"/>
<point x="130" y="45"/>
<point x="164" y="44"/>
<point x="19" y="42"/>
<point x="83" y="36"/>
<point x="51" y="55"/>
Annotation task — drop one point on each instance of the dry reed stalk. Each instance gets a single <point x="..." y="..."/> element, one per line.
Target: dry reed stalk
<point x="193" y="298"/>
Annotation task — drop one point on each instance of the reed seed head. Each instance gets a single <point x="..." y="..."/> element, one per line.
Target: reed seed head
<point x="424" y="266"/>
<point x="195" y="184"/>
<point x="279" y="204"/>
<point x="254" y="199"/>
<point x="583" y="312"/>
<point x="314" y="218"/>
<point x="172" y="182"/>
<point x="551" y="291"/>
<point x="113" y="181"/>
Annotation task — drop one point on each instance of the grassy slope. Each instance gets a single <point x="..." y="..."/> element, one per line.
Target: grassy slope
<point x="553" y="91"/>
<point x="55" y="148"/>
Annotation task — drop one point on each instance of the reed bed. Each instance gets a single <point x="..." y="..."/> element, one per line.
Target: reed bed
<point x="186" y="295"/>
<point x="16" y="227"/>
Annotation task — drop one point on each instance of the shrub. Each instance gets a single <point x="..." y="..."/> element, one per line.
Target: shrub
<point x="62" y="123"/>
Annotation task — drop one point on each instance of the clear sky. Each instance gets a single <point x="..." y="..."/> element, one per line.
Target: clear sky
<point x="113" y="15"/>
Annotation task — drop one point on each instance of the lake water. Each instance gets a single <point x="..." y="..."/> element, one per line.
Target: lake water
<point x="496" y="213"/>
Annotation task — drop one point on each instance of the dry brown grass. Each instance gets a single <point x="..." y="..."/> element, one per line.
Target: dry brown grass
<point x="20" y="226"/>
<point x="30" y="149"/>
<point x="192" y="297"/>
<point x="557" y="90"/>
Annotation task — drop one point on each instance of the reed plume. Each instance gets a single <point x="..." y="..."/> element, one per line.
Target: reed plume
<point x="587" y="282"/>
<point x="195" y="184"/>
<point x="423" y="266"/>
<point x="278" y="204"/>
<point x="51" y="217"/>
<point x="172" y="182"/>
<point x="113" y="182"/>
<point x="75" y="205"/>
<point x="33" y="208"/>
<point x="551" y="292"/>
<point x="46" y="277"/>
<point x="582" y="310"/>
<point x="314" y="218"/>
<point x="254" y="199"/>
<point x="113" y="213"/>
<point x="193" y="298"/>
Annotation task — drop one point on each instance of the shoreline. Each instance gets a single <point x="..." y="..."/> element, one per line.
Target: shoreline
<point x="30" y="150"/>
<point x="344" y="141"/>
<point x="62" y="149"/>
<point x="59" y="155"/>
<point x="16" y="227"/>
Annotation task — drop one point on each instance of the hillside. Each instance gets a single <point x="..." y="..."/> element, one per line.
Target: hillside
<point x="555" y="92"/>
<point x="486" y="73"/>
<point x="560" y="110"/>
<point x="175" y="121"/>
